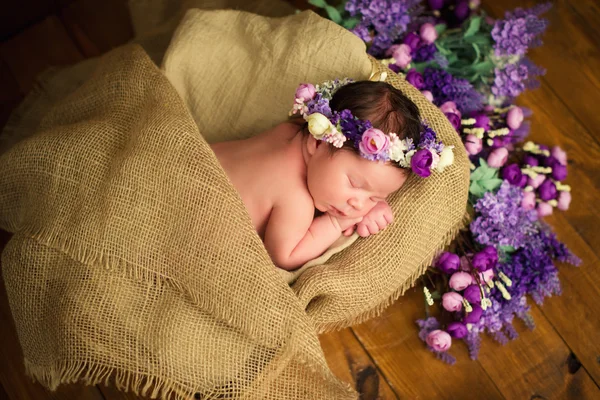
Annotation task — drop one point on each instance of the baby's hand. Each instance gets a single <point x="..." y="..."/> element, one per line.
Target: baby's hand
<point x="376" y="220"/>
<point x="344" y="224"/>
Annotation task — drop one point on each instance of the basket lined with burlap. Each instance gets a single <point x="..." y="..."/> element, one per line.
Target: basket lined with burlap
<point x="133" y="259"/>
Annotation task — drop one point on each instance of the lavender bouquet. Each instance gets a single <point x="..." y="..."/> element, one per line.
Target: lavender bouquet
<point x="474" y="68"/>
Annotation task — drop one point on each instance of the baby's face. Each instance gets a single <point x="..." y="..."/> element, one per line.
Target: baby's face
<point x="347" y="185"/>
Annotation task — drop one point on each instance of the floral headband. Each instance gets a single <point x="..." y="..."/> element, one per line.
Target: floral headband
<point x="312" y="102"/>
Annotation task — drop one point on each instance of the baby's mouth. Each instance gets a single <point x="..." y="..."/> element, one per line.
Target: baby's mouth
<point x="343" y="214"/>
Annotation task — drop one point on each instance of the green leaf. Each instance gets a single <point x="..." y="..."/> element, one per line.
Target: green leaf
<point x="482" y="67"/>
<point x="490" y="184"/>
<point x="318" y="3"/>
<point x="350" y="23"/>
<point x="477" y="174"/>
<point x="507" y="249"/>
<point x="440" y="28"/>
<point x="476" y="190"/>
<point x="474" y="24"/>
<point x="333" y="14"/>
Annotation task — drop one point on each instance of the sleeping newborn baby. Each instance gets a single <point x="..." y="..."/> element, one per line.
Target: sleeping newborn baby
<point x="329" y="171"/>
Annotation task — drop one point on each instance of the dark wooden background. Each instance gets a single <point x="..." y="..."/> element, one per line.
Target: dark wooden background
<point x="384" y="358"/>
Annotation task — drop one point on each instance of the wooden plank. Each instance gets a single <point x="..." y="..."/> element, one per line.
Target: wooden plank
<point x="37" y="48"/>
<point x="87" y="22"/>
<point x="413" y="372"/>
<point x="552" y="124"/>
<point x="589" y="13"/>
<point x="350" y="362"/>
<point x="18" y="15"/>
<point x="571" y="57"/>
<point x="16" y="384"/>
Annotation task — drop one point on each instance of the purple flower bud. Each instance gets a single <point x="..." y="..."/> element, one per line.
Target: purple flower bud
<point x="547" y="190"/>
<point x="420" y="163"/>
<point x="498" y="157"/>
<point x="462" y="10"/>
<point x="436" y="4"/>
<point x="412" y="40"/>
<point x="531" y="160"/>
<point x="448" y="262"/>
<point x="549" y="161"/>
<point x="474" y="316"/>
<point x="460" y="280"/>
<point x="564" y="199"/>
<point x="482" y="121"/>
<point x="528" y="202"/>
<point x="457" y="330"/>
<point x="473" y="294"/>
<point x="485" y="259"/>
<point x="454" y="120"/>
<point x="537" y="181"/>
<point x="452" y="301"/>
<point x="512" y="174"/>
<point x="473" y="144"/>
<point x="428" y="33"/>
<point x="439" y="340"/>
<point x="415" y="78"/>
<point x="544" y="209"/>
<point x="514" y="118"/>
<point x="559" y="154"/>
<point x="559" y="171"/>
<point x="523" y="182"/>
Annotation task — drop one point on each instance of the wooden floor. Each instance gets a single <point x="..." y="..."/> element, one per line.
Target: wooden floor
<point x="384" y="358"/>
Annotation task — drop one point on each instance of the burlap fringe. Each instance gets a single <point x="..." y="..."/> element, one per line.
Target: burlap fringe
<point x="407" y="284"/>
<point x="51" y="376"/>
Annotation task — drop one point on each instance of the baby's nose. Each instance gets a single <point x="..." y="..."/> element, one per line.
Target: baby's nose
<point x="355" y="203"/>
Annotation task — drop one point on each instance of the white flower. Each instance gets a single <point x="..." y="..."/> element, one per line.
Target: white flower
<point x="397" y="148"/>
<point x="408" y="157"/>
<point x="318" y="124"/>
<point x="435" y="158"/>
<point x="446" y="158"/>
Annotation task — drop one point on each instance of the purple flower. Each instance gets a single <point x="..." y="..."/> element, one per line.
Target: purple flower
<point x="474" y="316"/>
<point x="305" y="91"/>
<point x="415" y="78"/>
<point x="412" y="40"/>
<point x="512" y="173"/>
<point x="454" y="120"/>
<point x="531" y="160"/>
<point x="439" y="340"/>
<point x="448" y="262"/>
<point x="481" y="121"/>
<point x="462" y="10"/>
<point x="387" y="19"/>
<point x="547" y="190"/>
<point x="436" y="4"/>
<point x="425" y="52"/>
<point x="457" y="330"/>
<point x="559" y="171"/>
<point x="519" y="31"/>
<point x="515" y="78"/>
<point x="460" y="280"/>
<point x="501" y="220"/>
<point x="514" y="118"/>
<point x="421" y="161"/>
<point x="473" y="294"/>
<point x="485" y="259"/>
<point x="446" y="87"/>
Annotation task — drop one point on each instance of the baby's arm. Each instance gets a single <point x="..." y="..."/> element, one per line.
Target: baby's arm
<point x="292" y="239"/>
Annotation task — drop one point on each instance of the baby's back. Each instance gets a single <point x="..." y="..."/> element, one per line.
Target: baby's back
<point x="266" y="170"/>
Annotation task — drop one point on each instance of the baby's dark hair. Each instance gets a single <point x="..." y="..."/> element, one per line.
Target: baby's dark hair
<point x="386" y="107"/>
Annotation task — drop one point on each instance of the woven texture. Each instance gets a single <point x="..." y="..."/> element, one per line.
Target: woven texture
<point x="134" y="260"/>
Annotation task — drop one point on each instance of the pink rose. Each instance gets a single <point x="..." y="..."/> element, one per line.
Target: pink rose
<point x="428" y="33"/>
<point x="473" y="144"/>
<point x="439" y="340"/>
<point x="428" y="95"/>
<point x="564" y="199"/>
<point x="544" y="209"/>
<point x="537" y="181"/>
<point x="514" y="118"/>
<point x="498" y="157"/>
<point x="402" y="55"/>
<point x="486" y="275"/>
<point x="559" y="154"/>
<point x="450" y="107"/>
<point x="460" y="280"/>
<point x="528" y="202"/>
<point x="452" y="301"/>
<point x="305" y="91"/>
<point x="374" y="142"/>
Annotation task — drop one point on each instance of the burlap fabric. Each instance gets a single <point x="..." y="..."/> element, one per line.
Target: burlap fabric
<point x="134" y="260"/>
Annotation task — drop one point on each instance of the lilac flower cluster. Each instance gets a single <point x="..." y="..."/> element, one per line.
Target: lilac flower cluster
<point x="445" y="87"/>
<point x="502" y="221"/>
<point x="352" y="127"/>
<point x="513" y="79"/>
<point x="532" y="270"/>
<point x="319" y="104"/>
<point x="519" y="31"/>
<point x="429" y="140"/>
<point x="389" y="19"/>
<point x="425" y="53"/>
